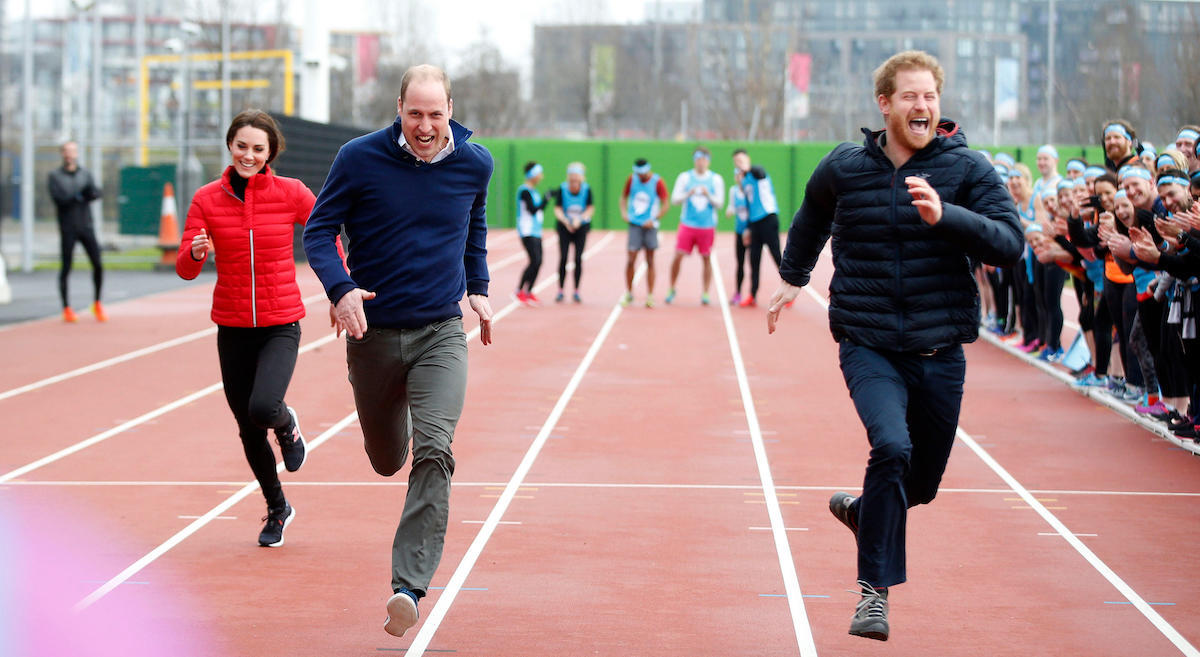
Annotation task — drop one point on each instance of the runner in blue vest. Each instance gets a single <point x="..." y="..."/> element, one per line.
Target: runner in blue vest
<point x="573" y="208"/>
<point x="763" y="227"/>
<point x="643" y="202"/>
<point x="530" y="204"/>
<point x="700" y="191"/>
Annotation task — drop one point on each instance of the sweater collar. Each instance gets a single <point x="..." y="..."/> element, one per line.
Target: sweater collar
<point x="458" y="136"/>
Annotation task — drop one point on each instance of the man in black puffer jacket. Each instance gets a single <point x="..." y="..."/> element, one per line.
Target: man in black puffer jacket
<point x="908" y="210"/>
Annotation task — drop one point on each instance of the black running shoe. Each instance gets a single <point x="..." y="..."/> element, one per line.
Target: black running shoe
<point x="291" y="444"/>
<point x="839" y="506"/>
<point x="277" y="520"/>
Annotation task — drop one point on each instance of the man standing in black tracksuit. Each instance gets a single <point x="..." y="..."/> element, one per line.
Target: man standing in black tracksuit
<point x="73" y="190"/>
<point x="906" y="211"/>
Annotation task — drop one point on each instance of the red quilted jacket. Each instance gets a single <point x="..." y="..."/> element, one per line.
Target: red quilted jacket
<point x="252" y="244"/>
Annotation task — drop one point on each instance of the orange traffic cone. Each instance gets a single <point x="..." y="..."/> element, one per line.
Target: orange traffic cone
<point x="168" y="228"/>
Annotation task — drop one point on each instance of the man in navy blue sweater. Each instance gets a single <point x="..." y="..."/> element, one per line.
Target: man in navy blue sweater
<point x="411" y="198"/>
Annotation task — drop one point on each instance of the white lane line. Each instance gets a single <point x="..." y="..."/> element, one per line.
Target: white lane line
<point x="1057" y="534"/>
<point x="429" y="628"/>
<point x="175" y="342"/>
<point x="196" y="525"/>
<point x="216" y="511"/>
<point x="116" y="360"/>
<point x="125" y="426"/>
<point x="499" y="485"/>
<point x="183" y="401"/>
<point x="787" y="567"/>
<point x="1136" y="600"/>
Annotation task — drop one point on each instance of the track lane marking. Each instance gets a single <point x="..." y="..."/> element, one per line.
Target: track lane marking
<point x="167" y="344"/>
<point x="251" y="486"/>
<point x="420" y="642"/>
<point x="787" y="567"/>
<point x="1098" y="564"/>
<point x="183" y="401"/>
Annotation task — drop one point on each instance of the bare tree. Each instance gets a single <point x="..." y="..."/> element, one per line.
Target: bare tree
<point x="487" y="90"/>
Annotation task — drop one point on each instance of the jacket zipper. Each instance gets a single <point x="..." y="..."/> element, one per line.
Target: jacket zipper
<point x="253" y="286"/>
<point x="899" y="282"/>
<point x="253" y="291"/>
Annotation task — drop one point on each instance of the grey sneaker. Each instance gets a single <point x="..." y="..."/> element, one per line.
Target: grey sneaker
<point x="870" y="616"/>
<point x="840" y="507"/>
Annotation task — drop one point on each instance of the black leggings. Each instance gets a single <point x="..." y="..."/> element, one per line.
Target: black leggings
<point x="256" y="368"/>
<point x="1085" y="295"/>
<point x="739" y="248"/>
<point x="1174" y="376"/>
<point x="84" y="236"/>
<point x="765" y="231"/>
<point x="1116" y="309"/>
<point x="567" y="239"/>
<point x="1049" y="280"/>
<point x="533" y="246"/>
<point x="1027" y="302"/>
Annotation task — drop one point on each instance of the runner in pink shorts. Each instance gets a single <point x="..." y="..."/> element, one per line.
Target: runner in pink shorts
<point x="701" y="192"/>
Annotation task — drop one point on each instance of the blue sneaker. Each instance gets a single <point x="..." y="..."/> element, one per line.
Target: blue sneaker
<point x="670" y="296"/>
<point x="1091" y="380"/>
<point x="402" y="612"/>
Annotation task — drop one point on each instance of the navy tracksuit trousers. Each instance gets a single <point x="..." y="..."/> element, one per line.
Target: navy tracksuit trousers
<point x="909" y="404"/>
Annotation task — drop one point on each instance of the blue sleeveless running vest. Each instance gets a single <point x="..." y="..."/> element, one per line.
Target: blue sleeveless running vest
<point x="643" y="200"/>
<point x="529" y="224"/>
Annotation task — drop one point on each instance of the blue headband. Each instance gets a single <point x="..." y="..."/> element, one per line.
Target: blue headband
<point x="1080" y="182"/>
<point x="1189" y="134"/>
<point x="534" y="172"/>
<point x="1076" y="165"/>
<point x="1006" y="159"/>
<point x="1148" y="149"/>
<point x="1121" y="194"/>
<point x="1119" y="129"/>
<point x="1170" y="162"/>
<point x="1172" y="180"/>
<point x="575" y="168"/>
<point x="1136" y="172"/>
<point x="1048" y="192"/>
<point x="1196" y="174"/>
<point x="645" y="168"/>
<point x="1092" y="173"/>
<point x="1065" y="184"/>
<point x="1048" y="150"/>
<point x="700" y="154"/>
<point x="1001" y="169"/>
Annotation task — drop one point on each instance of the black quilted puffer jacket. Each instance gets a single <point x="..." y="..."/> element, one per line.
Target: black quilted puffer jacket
<point x="898" y="283"/>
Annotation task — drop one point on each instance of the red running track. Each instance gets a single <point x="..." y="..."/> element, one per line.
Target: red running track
<point x="629" y="482"/>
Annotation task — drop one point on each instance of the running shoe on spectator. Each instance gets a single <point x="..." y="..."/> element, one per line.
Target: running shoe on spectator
<point x="1156" y="409"/>
<point x="1031" y="346"/>
<point x="1180" y="421"/>
<point x="736" y="299"/>
<point x="1090" y="380"/>
<point x="1133" y="394"/>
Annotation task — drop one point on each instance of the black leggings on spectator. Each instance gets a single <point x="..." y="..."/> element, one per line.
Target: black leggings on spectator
<point x="1174" y="371"/>
<point x="1027" y="302"/>
<point x="764" y="232"/>
<point x="1116" y="310"/>
<point x="256" y="368"/>
<point x="533" y="246"/>
<point x="69" y="236"/>
<point x="1085" y="295"/>
<point x="567" y="239"/>
<point x="1001" y="279"/>
<point x="1048" y="281"/>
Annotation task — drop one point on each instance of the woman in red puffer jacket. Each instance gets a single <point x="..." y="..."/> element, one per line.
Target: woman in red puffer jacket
<point x="245" y="219"/>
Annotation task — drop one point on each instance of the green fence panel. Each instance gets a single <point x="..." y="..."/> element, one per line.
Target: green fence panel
<point x="141" y="198"/>
<point x="610" y="163"/>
